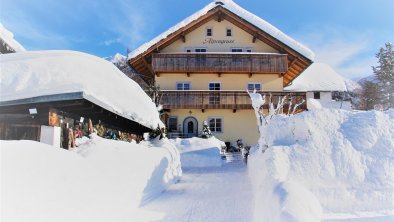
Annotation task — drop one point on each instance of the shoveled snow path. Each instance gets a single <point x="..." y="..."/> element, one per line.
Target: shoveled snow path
<point x="208" y="194"/>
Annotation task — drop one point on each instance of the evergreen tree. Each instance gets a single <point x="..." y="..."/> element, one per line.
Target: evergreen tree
<point x="384" y="73"/>
<point x="370" y="95"/>
<point x="206" y="132"/>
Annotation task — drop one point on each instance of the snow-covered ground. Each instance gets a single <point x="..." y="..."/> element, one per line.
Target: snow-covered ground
<point x="322" y="165"/>
<point x="197" y="152"/>
<point x="211" y="194"/>
<point x="101" y="180"/>
<point x="326" y="164"/>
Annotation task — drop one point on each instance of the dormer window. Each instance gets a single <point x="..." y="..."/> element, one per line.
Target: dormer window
<point x="209" y="31"/>
<point x="229" y="32"/>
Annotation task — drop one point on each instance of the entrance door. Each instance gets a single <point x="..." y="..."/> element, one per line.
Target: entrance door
<point x="190" y="127"/>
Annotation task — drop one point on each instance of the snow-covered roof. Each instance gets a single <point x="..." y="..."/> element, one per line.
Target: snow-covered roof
<point x="318" y="77"/>
<point x="8" y="38"/>
<point x="238" y="10"/>
<point x="43" y="73"/>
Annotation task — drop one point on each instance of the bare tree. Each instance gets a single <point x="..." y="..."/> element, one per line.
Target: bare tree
<point x="264" y="118"/>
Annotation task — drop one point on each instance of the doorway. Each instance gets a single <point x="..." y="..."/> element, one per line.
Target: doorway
<point x="190" y="127"/>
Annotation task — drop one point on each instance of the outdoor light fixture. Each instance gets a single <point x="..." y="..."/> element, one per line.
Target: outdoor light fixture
<point x="33" y="111"/>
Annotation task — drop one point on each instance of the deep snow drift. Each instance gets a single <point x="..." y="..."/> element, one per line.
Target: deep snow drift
<point x="102" y="180"/>
<point x="325" y="164"/>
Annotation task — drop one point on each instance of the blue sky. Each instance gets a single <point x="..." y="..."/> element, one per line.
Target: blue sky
<point x="343" y="33"/>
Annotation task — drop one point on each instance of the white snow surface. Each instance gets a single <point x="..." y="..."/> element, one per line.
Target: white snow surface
<point x="101" y="180"/>
<point x="236" y="9"/>
<point x="40" y="73"/>
<point x="320" y="77"/>
<point x="8" y="38"/>
<point x="199" y="152"/>
<point x="326" y="164"/>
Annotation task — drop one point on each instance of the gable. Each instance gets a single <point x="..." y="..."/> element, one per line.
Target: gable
<point x="299" y="57"/>
<point x="219" y="41"/>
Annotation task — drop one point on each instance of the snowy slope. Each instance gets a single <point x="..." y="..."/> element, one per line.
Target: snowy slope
<point x="8" y="38"/>
<point x="102" y="180"/>
<point x="236" y="9"/>
<point x="320" y="77"/>
<point x="325" y="164"/>
<point x="38" y="73"/>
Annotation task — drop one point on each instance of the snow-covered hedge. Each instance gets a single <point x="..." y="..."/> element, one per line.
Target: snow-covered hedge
<point x="325" y="162"/>
<point x="102" y="180"/>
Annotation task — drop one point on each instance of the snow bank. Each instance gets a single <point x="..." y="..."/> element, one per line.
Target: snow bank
<point x="236" y="9"/>
<point x="39" y="73"/>
<point x="198" y="152"/>
<point x="8" y="38"/>
<point x="102" y="180"/>
<point x="320" y="77"/>
<point x="339" y="160"/>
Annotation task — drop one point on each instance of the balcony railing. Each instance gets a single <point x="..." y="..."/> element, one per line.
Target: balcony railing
<point x="219" y="62"/>
<point x="221" y="99"/>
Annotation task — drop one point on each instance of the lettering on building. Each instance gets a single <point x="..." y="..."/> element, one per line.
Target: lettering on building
<point x="218" y="41"/>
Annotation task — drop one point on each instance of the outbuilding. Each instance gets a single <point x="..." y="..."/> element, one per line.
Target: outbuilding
<point x="43" y="92"/>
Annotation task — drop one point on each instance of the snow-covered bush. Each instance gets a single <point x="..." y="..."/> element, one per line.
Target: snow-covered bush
<point x="206" y="132"/>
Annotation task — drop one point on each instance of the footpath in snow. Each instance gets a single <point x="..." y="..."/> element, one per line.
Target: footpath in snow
<point x="208" y="194"/>
<point x="209" y="190"/>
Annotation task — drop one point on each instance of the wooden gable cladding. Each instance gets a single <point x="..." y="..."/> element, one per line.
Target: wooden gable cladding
<point x="297" y="62"/>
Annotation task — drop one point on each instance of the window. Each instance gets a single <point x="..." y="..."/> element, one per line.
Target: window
<point x="209" y="31"/>
<point x="229" y="32"/>
<point x="200" y="58"/>
<point x="215" y="124"/>
<point x="316" y="95"/>
<point x="183" y="86"/>
<point x="236" y="58"/>
<point x="214" y="86"/>
<point x="173" y="124"/>
<point x="248" y="49"/>
<point x="190" y="127"/>
<point x="236" y="50"/>
<point x="254" y="86"/>
<point x="200" y="50"/>
<point x="214" y="97"/>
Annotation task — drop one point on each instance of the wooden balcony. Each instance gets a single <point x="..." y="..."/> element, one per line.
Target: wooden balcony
<point x="234" y="100"/>
<point x="219" y="62"/>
